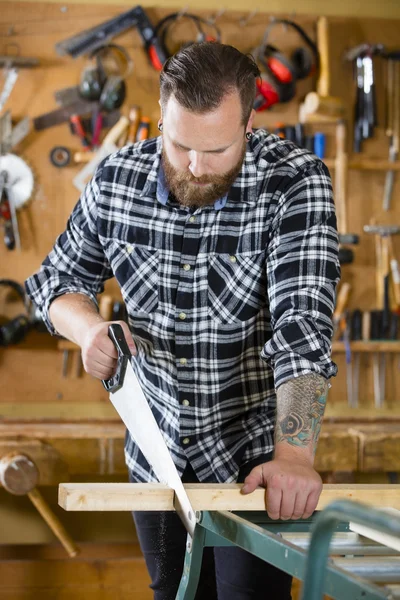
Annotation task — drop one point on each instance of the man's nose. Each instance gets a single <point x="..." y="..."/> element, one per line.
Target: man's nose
<point x="197" y="164"/>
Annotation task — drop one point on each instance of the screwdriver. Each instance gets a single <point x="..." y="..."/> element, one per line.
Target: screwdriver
<point x="79" y="130"/>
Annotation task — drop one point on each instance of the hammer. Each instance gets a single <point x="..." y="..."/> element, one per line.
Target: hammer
<point x="319" y="105"/>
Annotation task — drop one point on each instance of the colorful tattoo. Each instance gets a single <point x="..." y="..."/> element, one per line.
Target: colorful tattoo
<point x="300" y="410"/>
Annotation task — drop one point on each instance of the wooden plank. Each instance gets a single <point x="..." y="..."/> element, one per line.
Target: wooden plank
<point x="378" y="346"/>
<point x="155" y="496"/>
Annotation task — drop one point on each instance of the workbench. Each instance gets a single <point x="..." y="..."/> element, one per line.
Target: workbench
<point x="358" y="566"/>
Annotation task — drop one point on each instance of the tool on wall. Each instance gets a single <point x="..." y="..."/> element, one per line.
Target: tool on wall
<point x="320" y="105"/>
<point x="16" y="187"/>
<point x="158" y="49"/>
<point x="341" y="330"/>
<point x="11" y="65"/>
<point x="340" y="181"/>
<point x="61" y="156"/>
<point x="16" y="178"/>
<point x="365" y="111"/>
<point x="280" y="72"/>
<point x="103" y="78"/>
<point x="107" y="147"/>
<point x="20" y="476"/>
<point x="383" y="320"/>
<point x="13" y="331"/>
<point x="393" y="119"/>
<point x="346" y="255"/>
<point x="88" y="40"/>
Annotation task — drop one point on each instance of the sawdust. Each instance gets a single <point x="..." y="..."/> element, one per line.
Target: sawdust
<point x="162" y="556"/>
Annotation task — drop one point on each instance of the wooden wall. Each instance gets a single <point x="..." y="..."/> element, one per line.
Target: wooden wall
<point x="33" y="386"/>
<point x="384" y="9"/>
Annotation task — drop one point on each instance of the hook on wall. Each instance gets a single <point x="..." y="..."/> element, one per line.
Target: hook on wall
<point x="245" y="20"/>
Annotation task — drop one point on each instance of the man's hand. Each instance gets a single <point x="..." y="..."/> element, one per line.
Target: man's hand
<point x="99" y="355"/>
<point x="292" y="488"/>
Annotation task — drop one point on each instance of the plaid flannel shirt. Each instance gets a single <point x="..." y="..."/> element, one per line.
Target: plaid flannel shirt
<point x="225" y="303"/>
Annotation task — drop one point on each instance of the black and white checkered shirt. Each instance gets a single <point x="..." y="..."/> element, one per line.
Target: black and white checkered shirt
<point x="225" y="303"/>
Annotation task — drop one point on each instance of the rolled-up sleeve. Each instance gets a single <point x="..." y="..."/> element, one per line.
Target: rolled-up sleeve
<point x="76" y="264"/>
<point x="302" y="274"/>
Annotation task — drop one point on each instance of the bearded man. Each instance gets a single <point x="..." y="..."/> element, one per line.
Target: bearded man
<point x="223" y="241"/>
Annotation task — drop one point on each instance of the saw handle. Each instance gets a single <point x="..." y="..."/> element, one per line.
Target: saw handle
<point x="116" y="334"/>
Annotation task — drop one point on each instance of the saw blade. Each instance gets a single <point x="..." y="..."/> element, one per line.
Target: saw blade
<point x="133" y="408"/>
<point x="20" y="181"/>
<point x="128" y="398"/>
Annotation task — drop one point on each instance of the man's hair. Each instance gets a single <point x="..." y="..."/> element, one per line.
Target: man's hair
<point x="201" y="74"/>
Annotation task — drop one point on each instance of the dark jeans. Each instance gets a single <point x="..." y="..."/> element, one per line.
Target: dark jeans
<point x="227" y="573"/>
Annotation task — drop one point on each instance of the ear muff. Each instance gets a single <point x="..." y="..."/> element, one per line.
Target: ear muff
<point x="278" y="64"/>
<point x="303" y="62"/>
<point x="277" y="81"/>
<point x="113" y="93"/>
<point x="103" y="79"/>
<point x="270" y="91"/>
<point x="164" y="26"/>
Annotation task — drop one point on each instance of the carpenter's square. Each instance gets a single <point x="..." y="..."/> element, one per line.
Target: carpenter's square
<point x="63" y="114"/>
<point x="130" y="402"/>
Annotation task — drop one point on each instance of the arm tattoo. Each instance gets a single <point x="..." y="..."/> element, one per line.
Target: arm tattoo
<point x="300" y="410"/>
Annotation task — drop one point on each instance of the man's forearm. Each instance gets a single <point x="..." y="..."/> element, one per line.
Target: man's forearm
<point x="72" y="315"/>
<point x="300" y="410"/>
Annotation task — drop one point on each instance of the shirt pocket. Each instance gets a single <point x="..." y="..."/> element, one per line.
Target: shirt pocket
<point x="137" y="271"/>
<point x="236" y="287"/>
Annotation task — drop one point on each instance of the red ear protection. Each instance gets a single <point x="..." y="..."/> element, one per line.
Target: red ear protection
<point x="280" y="72"/>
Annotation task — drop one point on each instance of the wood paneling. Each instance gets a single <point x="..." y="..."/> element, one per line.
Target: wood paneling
<point x="99" y="573"/>
<point x="32" y="372"/>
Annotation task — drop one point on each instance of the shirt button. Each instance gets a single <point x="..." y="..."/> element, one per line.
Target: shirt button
<point x="192" y="219"/>
<point x="232" y="259"/>
<point x="185" y="402"/>
<point x="182" y="316"/>
<point x="186" y="441"/>
<point x="186" y="267"/>
<point x="129" y="249"/>
<point x="183" y="361"/>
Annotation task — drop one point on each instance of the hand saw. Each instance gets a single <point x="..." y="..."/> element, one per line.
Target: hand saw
<point x="130" y="402"/>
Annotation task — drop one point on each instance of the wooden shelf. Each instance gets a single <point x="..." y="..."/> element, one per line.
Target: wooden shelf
<point x="366" y="164"/>
<point x="375" y="346"/>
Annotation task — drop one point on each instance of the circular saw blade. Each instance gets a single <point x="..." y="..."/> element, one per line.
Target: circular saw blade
<point x="20" y="181"/>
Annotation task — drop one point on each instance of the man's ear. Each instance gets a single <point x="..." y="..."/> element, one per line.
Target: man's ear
<point x="250" y="121"/>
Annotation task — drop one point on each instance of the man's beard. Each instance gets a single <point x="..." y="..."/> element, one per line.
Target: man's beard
<point x="189" y="194"/>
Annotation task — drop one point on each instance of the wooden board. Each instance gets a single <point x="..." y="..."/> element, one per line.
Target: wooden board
<point x="155" y="496"/>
